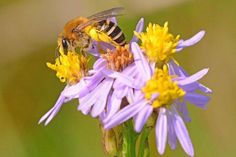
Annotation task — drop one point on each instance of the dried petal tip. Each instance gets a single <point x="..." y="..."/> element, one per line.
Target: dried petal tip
<point x="70" y="67"/>
<point x="119" y="58"/>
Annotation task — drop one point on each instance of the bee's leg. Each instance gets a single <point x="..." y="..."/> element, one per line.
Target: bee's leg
<point x="83" y="52"/>
<point x="57" y="53"/>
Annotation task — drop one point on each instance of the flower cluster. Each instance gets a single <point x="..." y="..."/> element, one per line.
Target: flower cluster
<point x="135" y="82"/>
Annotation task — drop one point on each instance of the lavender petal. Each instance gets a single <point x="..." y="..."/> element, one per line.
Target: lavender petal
<point x="182" y="108"/>
<point x="172" y="139"/>
<point x="193" y="78"/>
<point x="74" y="90"/>
<point x="197" y="99"/>
<point x="139" y="29"/>
<point x="121" y="93"/>
<point x="92" y="82"/>
<point x="140" y="61"/>
<point x="182" y="134"/>
<point x="130" y="96"/>
<point x="99" y="64"/>
<point x="100" y="103"/>
<point x="86" y="103"/>
<point x="192" y="41"/>
<point x="161" y="130"/>
<point x="125" y="114"/>
<point x="126" y="80"/>
<point x="142" y="117"/>
<point x="51" y="113"/>
<point x="114" y="106"/>
<point x="204" y="89"/>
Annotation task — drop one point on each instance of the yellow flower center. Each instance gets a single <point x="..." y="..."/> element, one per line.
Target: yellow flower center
<point x="158" y="44"/>
<point x="70" y="67"/>
<point x="162" y="85"/>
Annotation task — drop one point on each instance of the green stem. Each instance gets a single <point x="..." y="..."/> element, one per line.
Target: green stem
<point x="129" y="140"/>
<point x="144" y="145"/>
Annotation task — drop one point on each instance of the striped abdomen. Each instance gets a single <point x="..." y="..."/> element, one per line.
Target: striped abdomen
<point x="113" y="31"/>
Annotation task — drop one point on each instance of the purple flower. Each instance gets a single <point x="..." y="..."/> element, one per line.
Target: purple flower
<point x="88" y="89"/>
<point x="101" y="97"/>
<point x="159" y="45"/>
<point x="106" y="103"/>
<point x="157" y="91"/>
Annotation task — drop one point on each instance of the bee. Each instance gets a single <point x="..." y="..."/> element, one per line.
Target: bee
<point x="80" y="32"/>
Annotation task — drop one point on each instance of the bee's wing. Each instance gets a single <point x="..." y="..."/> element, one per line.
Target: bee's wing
<point x="107" y="13"/>
<point x="99" y="17"/>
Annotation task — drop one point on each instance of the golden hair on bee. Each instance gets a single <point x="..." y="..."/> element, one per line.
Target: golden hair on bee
<point x="79" y="32"/>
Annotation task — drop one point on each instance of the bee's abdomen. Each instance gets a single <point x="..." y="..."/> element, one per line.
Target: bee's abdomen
<point x="113" y="31"/>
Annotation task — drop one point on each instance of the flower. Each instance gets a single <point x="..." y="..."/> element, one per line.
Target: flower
<point x="163" y="94"/>
<point x="70" y="68"/>
<point x="106" y="103"/>
<point x="86" y="85"/>
<point x="157" y="42"/>
<point x="159" y="45"/>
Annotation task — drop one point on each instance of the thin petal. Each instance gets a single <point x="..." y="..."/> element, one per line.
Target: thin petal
<point x="140" y="61"/>
<point x="142" y="117"/>
<point x="101" y="99"/>
<point x="74" y="90"/>
<point x="94" y="49"/>
<point x="125" y="114"/>
<point x="197" y="99"/>
<point x="192" y="41"/>
<point x="138" y="94"/>
<point x="175" y="69"/>
<point x="130" y="96"/>
<point x="114" y="106"/>
<point x="99" y="64"/>
<point x="126" y="80"/>
<point x="161" y="131"/>
<point x="91" y="83"/>
<point x="172" y="139"/>
<point x="121" y="93"/>
<point x="182" y="134"/>
<point x="193" y="78"/>
<point x="128" y="71"/>
<point x="182" y="108"/>
<point x="85" y="110"/>
<point x="139" y="29"/>
<point x="91" y="98"/>
<point x="204" y="89"/>
<point x="86" y="102"/>
<point x="52" y="113"/>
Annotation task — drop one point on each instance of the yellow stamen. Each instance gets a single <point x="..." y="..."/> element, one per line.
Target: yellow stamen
<point x="119" y="58"/>
<point x="70" y="67"/>
<point x="158" y="44"/>
<point x="162" y="84"/>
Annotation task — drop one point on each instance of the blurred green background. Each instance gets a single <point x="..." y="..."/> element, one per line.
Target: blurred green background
<point x="28" y="88"/>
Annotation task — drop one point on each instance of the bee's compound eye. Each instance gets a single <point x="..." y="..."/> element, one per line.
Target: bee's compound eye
<point x="64" y="44"/>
